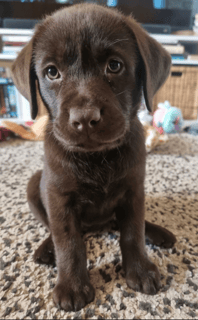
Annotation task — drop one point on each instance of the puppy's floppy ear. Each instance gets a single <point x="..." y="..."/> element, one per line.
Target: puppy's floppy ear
<point x="24" y="76"/>
<point x="156" y="60"/>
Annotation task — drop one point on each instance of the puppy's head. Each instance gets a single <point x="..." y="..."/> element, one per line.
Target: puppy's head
<point x="91" y="64"/>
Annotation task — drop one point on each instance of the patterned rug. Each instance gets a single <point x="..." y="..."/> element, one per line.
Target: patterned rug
<point x="171" y="201"/>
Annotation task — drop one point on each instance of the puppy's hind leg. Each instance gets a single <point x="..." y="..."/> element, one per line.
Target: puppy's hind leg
<point x="159" y="236"/>
<point x="34" y="199"/>
<point x="45" y="253"/>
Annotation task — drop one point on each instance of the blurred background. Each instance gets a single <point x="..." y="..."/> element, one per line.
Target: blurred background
<point x="176" y="14"/>
<point x="174" y="23"/>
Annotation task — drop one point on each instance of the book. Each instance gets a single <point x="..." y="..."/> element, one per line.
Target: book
<point x="2" y="107"/>
<point x="9" y="103"/>
<point x="11" y="49"/>
<point x="13" y="43"/>
<point x="8" y="96"/>
<point x="6" y="99"/>
<point x="12" y="104"/>
<point x="179" y="56"/>
<point x="5" y="81"/>
<point x="16" y="39"/>
<point x="193" y="57"/>
<point x="12" y="96"/>
<point x="3" y="72"/>
<point x="174" y="49"/>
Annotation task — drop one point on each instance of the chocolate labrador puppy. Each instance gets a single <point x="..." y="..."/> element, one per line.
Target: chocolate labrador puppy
<point x="91" y="65"/>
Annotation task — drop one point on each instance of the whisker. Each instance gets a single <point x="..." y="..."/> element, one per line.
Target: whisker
<point x="119" y="151"/>
<point x="121" y="93"/>
<point x="116" y="41"/>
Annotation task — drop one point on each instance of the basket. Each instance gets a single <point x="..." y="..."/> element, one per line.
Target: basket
<point x="181" y="90"/>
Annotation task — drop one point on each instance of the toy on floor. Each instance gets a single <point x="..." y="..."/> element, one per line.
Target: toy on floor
<point x="153" y="138"/>
<point x="5" y="134"/>
<point x="143" y="114"/>
<point x="35" y="131"/>
<point x="167" y="119"/>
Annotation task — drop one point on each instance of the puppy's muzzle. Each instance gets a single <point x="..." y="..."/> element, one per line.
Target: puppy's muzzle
<point x="84" y="120"/>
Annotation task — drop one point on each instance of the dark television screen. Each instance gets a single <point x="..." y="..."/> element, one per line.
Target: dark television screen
<point x="176" y="13"/>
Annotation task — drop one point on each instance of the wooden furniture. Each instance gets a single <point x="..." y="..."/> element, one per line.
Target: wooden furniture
<point x="181" y="90"/>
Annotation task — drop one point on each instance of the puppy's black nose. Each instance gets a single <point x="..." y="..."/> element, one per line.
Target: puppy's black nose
<point x="84" y="119"/>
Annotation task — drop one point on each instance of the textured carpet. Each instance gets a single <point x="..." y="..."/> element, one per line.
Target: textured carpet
<point x="171" y="200"/>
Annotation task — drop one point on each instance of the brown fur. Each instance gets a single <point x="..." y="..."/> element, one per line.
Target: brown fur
<point x="94" y="165"/>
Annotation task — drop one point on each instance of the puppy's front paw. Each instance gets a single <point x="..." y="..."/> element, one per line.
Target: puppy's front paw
<point x="144" y="276"/>
<point x="73" y="297"/>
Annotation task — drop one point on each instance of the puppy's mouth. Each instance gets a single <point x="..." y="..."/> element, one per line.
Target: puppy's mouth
<point x="96" y="146"/>
<point x="89" y="145"/>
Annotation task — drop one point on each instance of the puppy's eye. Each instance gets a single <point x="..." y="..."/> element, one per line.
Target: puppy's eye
<point x="114" y="66"/>
<point x="52" y="73"/>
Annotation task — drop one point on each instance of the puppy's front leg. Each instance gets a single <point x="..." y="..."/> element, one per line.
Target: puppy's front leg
<point x="73" y="289"/>
<point x="141" y="274"/>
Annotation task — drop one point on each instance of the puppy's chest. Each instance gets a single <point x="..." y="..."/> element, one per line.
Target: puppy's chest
<point x="98" y="204"/>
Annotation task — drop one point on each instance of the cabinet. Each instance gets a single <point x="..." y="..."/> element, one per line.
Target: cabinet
<point x="181" y="90"/>
<point x="181" y="87"/>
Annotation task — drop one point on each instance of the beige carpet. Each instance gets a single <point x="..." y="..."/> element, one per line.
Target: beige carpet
<point x="171" y="200"/>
